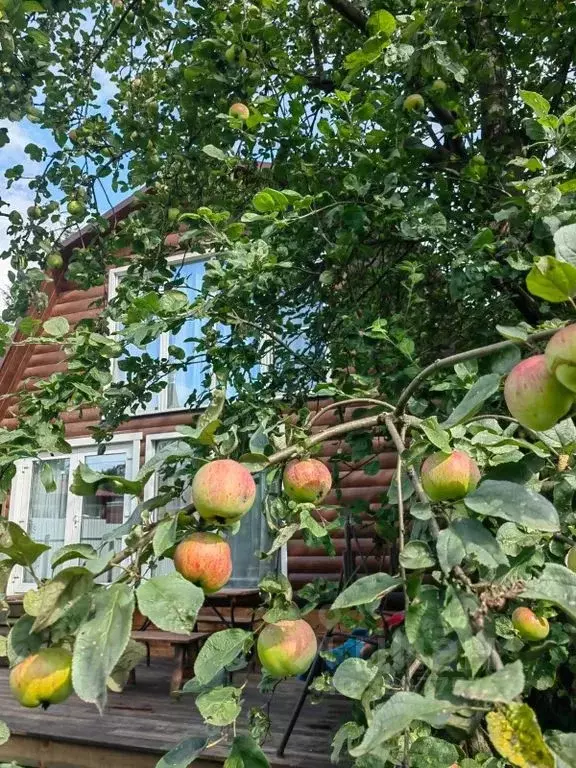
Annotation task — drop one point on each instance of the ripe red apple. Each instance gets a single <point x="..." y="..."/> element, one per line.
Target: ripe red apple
<point x="307" y="481"/>
<point x="239" y="110"/>
<point x="529" y="626"/>
<point x="534" y="396"/>
<point x="205" y="560"/>
<point x="449" y="476"/>
<point x="287" y="648"/>
<point x="414" y="103"/>
<point x="223" y="489"/>
<point x="561" y="356"/>
<point x="42" y="679"/>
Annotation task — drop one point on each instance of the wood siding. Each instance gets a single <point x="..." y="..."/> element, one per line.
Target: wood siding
<point x="24" y="365"/>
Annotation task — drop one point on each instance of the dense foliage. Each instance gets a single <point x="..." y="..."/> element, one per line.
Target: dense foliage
<point x="354" y="234"/>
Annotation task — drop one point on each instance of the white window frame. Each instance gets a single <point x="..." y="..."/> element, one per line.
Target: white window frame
<point x="22" y="485"/>
<point x="150" y="491"/>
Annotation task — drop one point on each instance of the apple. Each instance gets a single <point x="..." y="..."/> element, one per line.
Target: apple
<point x="530" y="627"/>
<point x="223" y="489"/>
<point x="307" y="481"/>
<point x="43" y="678"/>
<point x="414" y="103"/>
<point x="449" y="476"/>
<point x="534" y="396"/>
<point x="54" y="261"/>
<point x="239" y="110"/>
<point x="205" y="560"/>
<point x="287" y="648"/>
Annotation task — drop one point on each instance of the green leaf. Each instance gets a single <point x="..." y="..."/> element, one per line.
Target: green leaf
<point x="450" y="550"/>
<point x="537" y="103"/>
<point x="556" y="584"/>
<point x="132" y="655"/>
<point x="426" y="630"/>
<point x="552" y="279"/>
<point x="56" y="326"/>
<point x="396" y="714"/>
<point x="501" y="686"/>
<point x="430" y="752"/>
<point x="479" y="542"/>
<point x="72" y="552"/>
<point x="417" y="554"/>
<point x="171" y="602"/>
<point x="366" y="590"/>
<point x="348" y="733"/>
<point x="47" y="477"/>
<point x="564" y="746"/>
<point x="208" y="422"/>
<point x="381" y="23"/>
<point x="352" y="677"/>
<point x="4" y="733"/>
<point x="220" y="650"/>
<point x="165" y="534"/>
<point x="515" y="503"/>
<point x="101" y="642"/>
<point x="16" y="543"/>
<point x="484" y="388"/>
<point x="220" y="706"/>
<point x="246" y="753"/>
<point x="61" y="595"/>
<point x="513" y="332"/>
<point x="213" y="151"/>
<point x="435" y="434"/>
<point x="173" y="302"/>
<point x="184" y="754"/>
<point x="565" y="242"/>
<point x="22" y="641"/>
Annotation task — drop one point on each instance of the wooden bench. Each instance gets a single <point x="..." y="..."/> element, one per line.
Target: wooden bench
<point x="185" y="648"/>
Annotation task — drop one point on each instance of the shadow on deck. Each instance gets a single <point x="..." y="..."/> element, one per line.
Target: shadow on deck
<point x="142" y="723"/>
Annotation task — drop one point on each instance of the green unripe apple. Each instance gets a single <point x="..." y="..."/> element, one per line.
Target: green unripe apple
<point x="76" y="208"/>
<point x="414" y="103"/>
<point x="534" y="396"/>
<point x="34" y="212"/>
<point x="438" y="87"/>
<point x="54" y="261"/>
<point x="530" y="627"/>
<point x="173" y="214"/>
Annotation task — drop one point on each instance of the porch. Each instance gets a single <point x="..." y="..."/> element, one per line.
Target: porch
<point x="142" y="723"/>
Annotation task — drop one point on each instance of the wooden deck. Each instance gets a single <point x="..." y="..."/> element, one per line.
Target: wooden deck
<point x="142" y="723"/>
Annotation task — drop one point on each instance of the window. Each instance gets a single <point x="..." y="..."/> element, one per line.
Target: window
<point x="182" y="383"/>
<point x="60" y="517"/>
<point x="252" y="538"/>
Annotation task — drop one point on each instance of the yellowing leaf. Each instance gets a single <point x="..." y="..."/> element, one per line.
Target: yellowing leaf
<point x="515" y="733"/>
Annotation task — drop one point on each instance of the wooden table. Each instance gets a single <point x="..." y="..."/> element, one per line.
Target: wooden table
<point x="233" y="598"/>
<point x="181" y="644"/>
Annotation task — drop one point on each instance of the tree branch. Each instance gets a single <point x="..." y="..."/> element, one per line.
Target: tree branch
<point x="471" y="354"/>
<point x="349" y="12"/>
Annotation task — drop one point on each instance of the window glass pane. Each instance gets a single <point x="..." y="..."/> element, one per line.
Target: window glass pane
<point x="47" y="515"/>
<point x="252" y="538"/>
<point x="183" y="383"/>
<point x="152" y="349"/>
<point x="104" y="511"/>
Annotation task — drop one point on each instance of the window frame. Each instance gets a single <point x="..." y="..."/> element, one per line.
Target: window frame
<point x="21" y="489"/>
<point x="150" y="491"/>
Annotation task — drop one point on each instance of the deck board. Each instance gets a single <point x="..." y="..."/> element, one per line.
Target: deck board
<point x="144" y="719"/>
